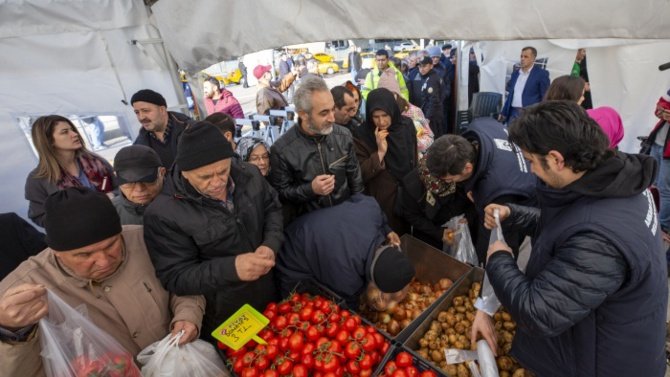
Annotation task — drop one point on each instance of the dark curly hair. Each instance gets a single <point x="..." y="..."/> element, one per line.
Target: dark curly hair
<point x="565" y="127"/>
<point x="449" y="154"/>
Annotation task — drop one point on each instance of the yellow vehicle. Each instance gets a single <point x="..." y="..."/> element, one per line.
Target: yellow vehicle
<point x="323" y="57"/>
<point x="329" y="68"/>
<point x="233" y="77"/>
<point x="368" y="59"/>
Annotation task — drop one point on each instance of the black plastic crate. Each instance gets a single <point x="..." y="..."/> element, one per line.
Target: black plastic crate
<point x="411" y="344"/>
<point x="419" y="363"/>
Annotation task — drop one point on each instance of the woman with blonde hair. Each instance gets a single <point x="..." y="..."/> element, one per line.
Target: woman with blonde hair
<point x="64" y="162"/>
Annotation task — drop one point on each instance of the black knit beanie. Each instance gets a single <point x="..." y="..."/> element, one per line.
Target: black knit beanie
<point x="78" y="217"/>
<point x="391" y="269"/>
<point x="201" y="144"/>
<point x="148" y="95"/>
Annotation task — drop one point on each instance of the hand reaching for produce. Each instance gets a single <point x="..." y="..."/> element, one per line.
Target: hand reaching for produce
<point x="483" y="324"/>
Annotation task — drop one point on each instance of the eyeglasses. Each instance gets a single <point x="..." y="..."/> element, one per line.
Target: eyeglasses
<point x="256" y="158"/>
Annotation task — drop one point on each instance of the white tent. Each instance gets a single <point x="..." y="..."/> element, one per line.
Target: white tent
<point x="89" y="56"/>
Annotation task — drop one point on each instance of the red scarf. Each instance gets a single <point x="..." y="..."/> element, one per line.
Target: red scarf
<point x="96" y="172"/>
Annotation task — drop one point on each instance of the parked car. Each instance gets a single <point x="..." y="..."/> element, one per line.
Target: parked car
<point x="368" y="59"/>
<point x="233" y="77"/>
<point x="328" y="67"/>
<point x="323" y="57"/>
<point x="405" y="46"/>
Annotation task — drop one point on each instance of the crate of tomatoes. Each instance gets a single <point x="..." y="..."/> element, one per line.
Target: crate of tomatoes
<point x="436" y="273"/>
<point x="401" y="363"/>
<point x="310" y="335"/>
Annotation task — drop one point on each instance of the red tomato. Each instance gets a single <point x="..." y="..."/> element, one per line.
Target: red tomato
<point x="312" y="333"/>
<point x="330" y="363"/>
<point x="412" y="371"/>
<point x="284" y="308"/>
<point x="352" y="350"/>
<point x="358" y="333"/>
<point x="380" y="339"/>
<point x="307" y="360"/>
<point x="335" y="347"/>
<point x="262" y="363"/>
<point x="318" y="316"/>
<point x="300" y="370"/>
<point x="365" y="373"/>
<point x="365" y="362"/>
<point x="248" y="358"/>
<point x="385" y="347"/>
<point x="220" y="345"/>
<point x="399" y="373"/>
<point x="270" y="373"/>
<point x="306" y="314"/>
<point x="428" y="373"/>
<point x="238" y="366"/>
<point x="271" y="306"/>
<point x="331" y="329"/>
<point x="293" y="318"/>
<point x="349" y="324"/>
<point x="279" y="322"/>
<point x="249" y="372"/>
<point x="369" y="343"/>
<point x="295" y="297"/>
<point x="403" y="359"/>
<point x="309" y="348"/>
<point x="269" y="314"/>
<point x="342" y="336"/>
<point x="390" y="367"/>
<point x="322" y="343"/>
<point x="271" y="351"/>
<point x="284" y="366"/>
<point x="353" y="368"/>
<point x="334" y="317"/>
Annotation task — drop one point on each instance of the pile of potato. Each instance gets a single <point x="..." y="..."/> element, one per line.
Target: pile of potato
<point x="398" y="315"/>
<point x="451" y="329"/>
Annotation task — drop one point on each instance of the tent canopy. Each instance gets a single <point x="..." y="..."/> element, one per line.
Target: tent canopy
<point x="88" y="57"/>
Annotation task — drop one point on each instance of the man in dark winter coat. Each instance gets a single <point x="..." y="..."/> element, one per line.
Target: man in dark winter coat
<point x="161" y="129"/>
<point x="218" y="234"/>
<point x="488" y="167"/>
<point x="594" y="296"/>
<point x="341" y="254"/>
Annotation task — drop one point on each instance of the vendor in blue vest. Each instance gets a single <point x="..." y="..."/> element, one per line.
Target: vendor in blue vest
<point x="594" y="296"/>
<point x="488" y="167"/>
<point x="344" y="248"/>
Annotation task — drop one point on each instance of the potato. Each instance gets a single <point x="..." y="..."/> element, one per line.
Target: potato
<point x="437" y="355"/>
<point x="519" y="373"/>
<point x="442" y="317"/>
<point x="509" y="325"/>
<point x="462" y="370"/>
<point x="504" y="363"/>
<point x="451" y="369"/>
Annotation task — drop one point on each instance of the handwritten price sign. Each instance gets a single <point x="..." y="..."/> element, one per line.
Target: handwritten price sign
<point x="241" y="327"/>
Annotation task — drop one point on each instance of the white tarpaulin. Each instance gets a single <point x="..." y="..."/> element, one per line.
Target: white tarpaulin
<point x="70" y="58"/>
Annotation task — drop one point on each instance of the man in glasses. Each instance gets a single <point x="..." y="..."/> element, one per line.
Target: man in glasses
<point x="140" y="175"/>
<point x="385" y="75"/>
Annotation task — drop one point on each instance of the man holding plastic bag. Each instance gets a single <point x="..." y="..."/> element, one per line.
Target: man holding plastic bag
<point x="593" y="299"/>
<point x="94" y="263"/>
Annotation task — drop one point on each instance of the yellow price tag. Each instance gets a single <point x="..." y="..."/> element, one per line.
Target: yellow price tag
<point x="241" y="327"/>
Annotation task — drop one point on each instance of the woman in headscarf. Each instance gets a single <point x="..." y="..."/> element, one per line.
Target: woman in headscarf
<point x="64" y="161"/>
<point x="386" y="149"/>
<point x="427" y="202"/>
<point x="256" y="152"/>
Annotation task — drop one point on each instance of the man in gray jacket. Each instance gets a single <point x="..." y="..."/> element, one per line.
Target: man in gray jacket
<point x="140" y="176"/>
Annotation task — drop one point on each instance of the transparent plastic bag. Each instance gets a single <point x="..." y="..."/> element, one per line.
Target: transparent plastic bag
<point x="73" y="346"/>
<point x="167" y="359"/>
<point x="462" y="247"/>
<point x="485" y="365"/>
<point x="488" y="302"/>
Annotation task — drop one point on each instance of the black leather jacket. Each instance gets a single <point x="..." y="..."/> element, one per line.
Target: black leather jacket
<point x="297" y="158"/>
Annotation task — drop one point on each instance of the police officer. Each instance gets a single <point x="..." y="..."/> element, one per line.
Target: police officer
<point x="431" y="96"/>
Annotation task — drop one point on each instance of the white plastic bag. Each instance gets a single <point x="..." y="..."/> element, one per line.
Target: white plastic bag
<point x="73" y="346"/>
<point x="488" y="302"/>
<point x="462" y="248"/>
<point x="195" y="359"/>
<point x="485" y="365"/>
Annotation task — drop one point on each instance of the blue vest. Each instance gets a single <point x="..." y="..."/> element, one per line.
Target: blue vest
<point x="501" y="168"/>
<point x="625" y="335"/>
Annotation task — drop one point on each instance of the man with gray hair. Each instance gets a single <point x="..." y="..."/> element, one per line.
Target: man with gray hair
<point x="314" y="165"/>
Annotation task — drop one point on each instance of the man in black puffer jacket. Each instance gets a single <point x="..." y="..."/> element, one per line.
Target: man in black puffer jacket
<point x="314" y="164"/>
<point x="594" y="296"/>
<point x="219" y="233"/>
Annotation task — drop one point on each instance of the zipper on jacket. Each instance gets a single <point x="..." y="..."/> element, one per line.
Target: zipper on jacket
<point x="323" y="166"/>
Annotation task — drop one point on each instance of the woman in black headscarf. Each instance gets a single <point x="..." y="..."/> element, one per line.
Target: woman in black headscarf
<point x="386" y="149"/>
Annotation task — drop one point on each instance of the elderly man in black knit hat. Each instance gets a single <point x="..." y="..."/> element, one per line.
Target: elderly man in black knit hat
<point x="91" y="260"/>
<point x="161" y="129"/>
<point x="219" y="233"/>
